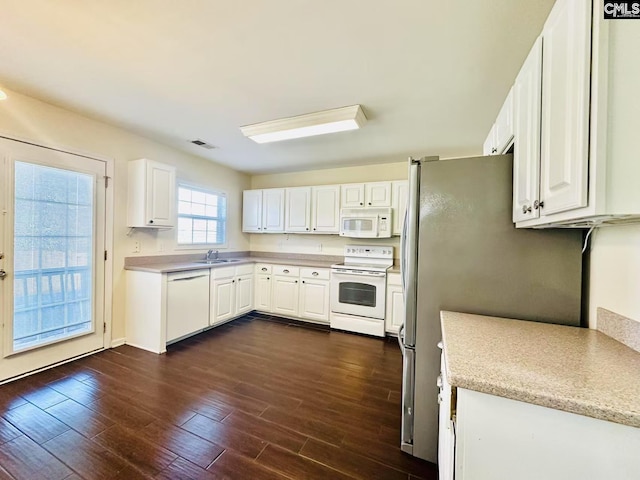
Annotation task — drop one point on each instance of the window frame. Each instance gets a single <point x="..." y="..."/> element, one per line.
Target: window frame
<point x="206" y="190"/>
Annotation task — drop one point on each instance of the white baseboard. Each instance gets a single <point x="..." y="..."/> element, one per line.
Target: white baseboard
<point x="145" y="348"/>
<point x="117" y="342"/>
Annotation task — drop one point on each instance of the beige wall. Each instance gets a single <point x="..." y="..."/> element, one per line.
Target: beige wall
<point x="323" y="244"/>
<point x="41" y="122"/>
<point x="615" y="272"/>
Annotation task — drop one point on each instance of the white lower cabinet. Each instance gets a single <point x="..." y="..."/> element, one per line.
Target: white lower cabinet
<point x="286" y="289"/>
<point x="298" y="292"/>
<point x="498" y="438"/>
<point x="231" y="293"/>
<point x="394" y="316"/>
<point x="314" y="294"/>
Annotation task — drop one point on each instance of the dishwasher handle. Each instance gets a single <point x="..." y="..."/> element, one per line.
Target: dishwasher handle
<point x="193" y="277"/>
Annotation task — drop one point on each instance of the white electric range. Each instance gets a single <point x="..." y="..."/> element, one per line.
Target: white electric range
<point x="359" y="288"/>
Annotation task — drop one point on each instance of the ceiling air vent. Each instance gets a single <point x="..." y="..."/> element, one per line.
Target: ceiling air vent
<point x="203" y="144"/>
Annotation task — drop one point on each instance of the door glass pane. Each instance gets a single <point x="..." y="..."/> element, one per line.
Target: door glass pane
<point x="355" y="293"/>
<point x="53" y="254"/>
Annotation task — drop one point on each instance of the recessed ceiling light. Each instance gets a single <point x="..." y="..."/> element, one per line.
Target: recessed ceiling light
<point x="3" y="96"/>
<point x="318" y="123"/>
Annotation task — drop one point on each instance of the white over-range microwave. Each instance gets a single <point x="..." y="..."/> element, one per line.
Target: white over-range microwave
<point x="366" y="222"/>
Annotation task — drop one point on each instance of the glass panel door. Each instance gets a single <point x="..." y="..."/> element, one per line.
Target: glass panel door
<point x="52" y="240"/>
<point x="53" y="254"/>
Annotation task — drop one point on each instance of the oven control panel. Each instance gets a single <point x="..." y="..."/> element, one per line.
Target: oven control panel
<point x="368" y="251"/>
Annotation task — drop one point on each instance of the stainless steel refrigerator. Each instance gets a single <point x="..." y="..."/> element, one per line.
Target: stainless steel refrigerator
<point x="461" y="252"/>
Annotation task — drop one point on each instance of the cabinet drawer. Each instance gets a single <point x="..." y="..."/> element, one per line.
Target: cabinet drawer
<point x="244" y="269"/>
<point x="263" y="268"/>
<point x="286" y="270"/>
<point x="315" y="273"/>
<point x="223" y="272"/>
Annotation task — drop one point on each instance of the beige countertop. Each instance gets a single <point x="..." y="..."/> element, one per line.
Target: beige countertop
<point x="577" y="370"/>
<point x="180" y="266"/>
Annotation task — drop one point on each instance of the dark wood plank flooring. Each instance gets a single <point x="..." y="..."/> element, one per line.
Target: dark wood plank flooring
<point x="258" y="398"/>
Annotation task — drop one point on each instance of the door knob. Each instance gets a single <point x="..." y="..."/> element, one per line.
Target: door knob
<point x="526" y="209"/>
<point x="3" y="274"/>
<point x="538" y="204"/>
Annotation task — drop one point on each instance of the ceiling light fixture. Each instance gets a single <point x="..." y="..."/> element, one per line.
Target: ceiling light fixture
<point x="3" y="96"/>
<point x="318" y="123"/>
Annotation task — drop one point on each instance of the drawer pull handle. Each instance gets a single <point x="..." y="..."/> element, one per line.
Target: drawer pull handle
<point x="315" y="274"/>
<point x="264" y="269"/>
<point x="285" y="271"/>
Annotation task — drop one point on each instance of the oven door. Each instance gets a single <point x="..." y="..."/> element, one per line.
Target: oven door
<point x="358" y="293"/>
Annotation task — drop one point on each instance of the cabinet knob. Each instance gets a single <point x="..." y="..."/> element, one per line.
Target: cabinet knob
<point x="302" y="281"/>
<point x="526" y="209"/>
<point x="308" y="228"/>
<point x="494" y="150"/>
<point x="296" y="281"/>
<point x="538" y="204"/>
<point x="314" y="228"/>
<point x="361" y="203"/>
<point x="233" y="281"/>
<point x="369" y="203"/>
<point x="150" y="221"/>
<point x="3" y="274"/>
<point x="268" y="278"/>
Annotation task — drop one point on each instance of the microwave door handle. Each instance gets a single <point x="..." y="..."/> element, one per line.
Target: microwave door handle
<point x="376" y="222"/>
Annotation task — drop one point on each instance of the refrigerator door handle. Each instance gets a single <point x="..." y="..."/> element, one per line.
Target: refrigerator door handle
<point x="411" y="254"/>
<point x="408" y="390"/>
<point x="401" y="338"/>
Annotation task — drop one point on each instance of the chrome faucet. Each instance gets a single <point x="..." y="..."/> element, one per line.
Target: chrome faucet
<point x="210" y="253"/>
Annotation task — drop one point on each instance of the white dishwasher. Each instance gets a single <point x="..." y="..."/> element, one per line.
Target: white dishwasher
<point x="187" y="303"/>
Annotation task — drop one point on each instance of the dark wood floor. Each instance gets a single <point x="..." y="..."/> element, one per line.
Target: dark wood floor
<point x="254" y="399"/>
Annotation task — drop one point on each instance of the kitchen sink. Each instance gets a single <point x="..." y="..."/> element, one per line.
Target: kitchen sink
<point x="219" y="260"/>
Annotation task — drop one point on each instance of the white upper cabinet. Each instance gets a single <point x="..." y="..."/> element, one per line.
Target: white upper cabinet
<point x="527" y="92"/>
<point x="263" y="210"/>
<point x="273" y="210"/>
<point x="325" y="209"/>
<point x="377" y="194"/>
<point x="298" y="210"/>
<point x="373" y="194"/>
<point x="588" y="166"/>
<point x="566" y="71"/>
<point x="501" y="133"/>
<point x="399" y="197"/>
<point x="151" y="194"/>
<point x="252" y="211"/>
<point x="352" y="195"/>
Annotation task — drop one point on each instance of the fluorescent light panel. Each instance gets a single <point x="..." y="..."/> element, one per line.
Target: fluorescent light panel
<point x="3" y="96"/>
<point x="319" y="123"/>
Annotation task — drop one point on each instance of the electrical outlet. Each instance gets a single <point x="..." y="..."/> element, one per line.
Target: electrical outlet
<point x="161" y="246"/>
<point x="136" y="246"/>
<point x="319" y="247"/>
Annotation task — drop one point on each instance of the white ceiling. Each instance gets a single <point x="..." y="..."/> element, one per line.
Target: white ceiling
<point x="430" y="74"/>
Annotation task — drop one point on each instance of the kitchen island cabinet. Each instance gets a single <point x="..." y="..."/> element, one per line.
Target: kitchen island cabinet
<point x="529" y="400"/>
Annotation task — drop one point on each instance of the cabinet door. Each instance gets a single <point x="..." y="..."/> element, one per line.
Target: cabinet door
<point x="160" y="190"/>
<point x="263" y="293"/>
<point x="565" y="106"/>
<point x="223" y="300"/>
<point x="285" y="295"/>
<point x="378" y="194"/>
<point x="399" y="197"/>
<point x="244" y="294"/>
<point x="314" y="300"/>
<point x="527" y="92"/>
<point x="252" y="211"/>
<point x="352" y="195"/>
<point x="273" y="210"/>
<point x="489" y="145"/>
<point x="298" y="210"/>
<point x="504" y="124"/>
<point x="325" y="209"/>
<point x="394" y="316"/>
